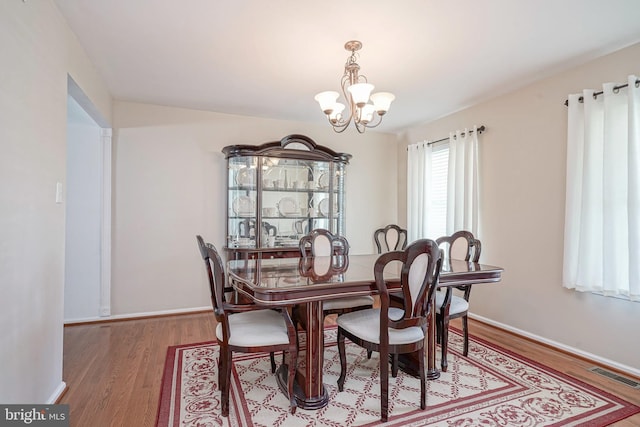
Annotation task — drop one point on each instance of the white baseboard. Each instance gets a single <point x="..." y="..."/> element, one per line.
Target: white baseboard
<point x="57" y="393"/>
<point x="137" y="315"/>
<point x="600" y="360"/>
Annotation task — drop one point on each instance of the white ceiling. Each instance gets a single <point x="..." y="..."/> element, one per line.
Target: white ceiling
<point x="269" y="58"/>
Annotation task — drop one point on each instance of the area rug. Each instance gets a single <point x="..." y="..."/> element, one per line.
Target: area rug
<point x="490" y="387"/>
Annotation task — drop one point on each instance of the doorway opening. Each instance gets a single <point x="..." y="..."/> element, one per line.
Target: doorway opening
<point x="87" y="289"/>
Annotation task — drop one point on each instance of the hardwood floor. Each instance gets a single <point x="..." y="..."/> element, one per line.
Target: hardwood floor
<point x="113" y="370"/>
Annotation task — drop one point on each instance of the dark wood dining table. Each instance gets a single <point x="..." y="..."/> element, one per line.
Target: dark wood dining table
<point x="307" y="283"/>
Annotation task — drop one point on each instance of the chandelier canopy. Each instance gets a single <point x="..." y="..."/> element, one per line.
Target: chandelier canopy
<point x="357" y="93"/>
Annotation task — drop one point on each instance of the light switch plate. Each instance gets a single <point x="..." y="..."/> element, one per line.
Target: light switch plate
<point x="59" y="192"/>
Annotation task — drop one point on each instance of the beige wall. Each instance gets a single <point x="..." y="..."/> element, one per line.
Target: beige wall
<point x="169" y="185"/>
<point x="523" y="157"/>
<point x="38" y="51"/>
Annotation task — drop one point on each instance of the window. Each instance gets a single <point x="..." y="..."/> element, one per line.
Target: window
<point x="442" y="186"/>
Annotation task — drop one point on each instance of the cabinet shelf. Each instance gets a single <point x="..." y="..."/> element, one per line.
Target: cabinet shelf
<point x="297" y="190"/>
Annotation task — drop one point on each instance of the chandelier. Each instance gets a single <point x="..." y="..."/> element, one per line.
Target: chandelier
<point x="357" y="93"/>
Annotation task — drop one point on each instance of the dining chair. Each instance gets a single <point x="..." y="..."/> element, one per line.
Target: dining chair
<point x="246" y="328"/>
<point x="393" y="330"/>
<point x="460" y="245"/>
<point x="321" y="242"/>
<point x="390" y="238"/>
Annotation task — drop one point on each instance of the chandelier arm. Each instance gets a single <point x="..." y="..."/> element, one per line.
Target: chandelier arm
<point x="357" y="114"/>
<point x="370" y="126"/>
<point x="346" y="81"/>
<point x="339" y="126"/>
<point x="340" y="129"/>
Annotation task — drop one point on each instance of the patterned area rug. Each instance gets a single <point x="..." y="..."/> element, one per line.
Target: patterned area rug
<point x="491" y="387"/>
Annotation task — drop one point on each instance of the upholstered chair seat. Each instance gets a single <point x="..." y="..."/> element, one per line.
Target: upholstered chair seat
<point x="346" y="303"/>
<point x="366" y="325"/>
<point x="457" y="305"/>
<point x="256" y="328"/>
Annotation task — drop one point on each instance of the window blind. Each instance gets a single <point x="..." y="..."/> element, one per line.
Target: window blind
<point x="439" y="168"/>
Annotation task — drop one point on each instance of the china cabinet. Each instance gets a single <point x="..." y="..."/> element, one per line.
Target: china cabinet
<point x="278" y="191"/>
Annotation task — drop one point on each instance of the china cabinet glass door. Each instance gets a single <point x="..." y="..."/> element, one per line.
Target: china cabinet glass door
<point x="276" y="195"/>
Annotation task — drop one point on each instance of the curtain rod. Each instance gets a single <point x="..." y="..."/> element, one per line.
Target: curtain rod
<point x="595" y="94"/>
<point x="480" y="130"/>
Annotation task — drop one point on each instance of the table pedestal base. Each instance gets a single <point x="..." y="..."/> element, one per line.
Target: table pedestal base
<point x="303" y="401"/>
<point x="409" y="365"/>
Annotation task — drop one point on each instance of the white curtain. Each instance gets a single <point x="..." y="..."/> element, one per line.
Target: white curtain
<point x="461" y="176"/>
<point x="462" y="182"/>
<point x="418" y="197"/>
<point x="602" y="211"/>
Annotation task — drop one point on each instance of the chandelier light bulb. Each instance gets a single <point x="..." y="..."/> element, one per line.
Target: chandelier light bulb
<point x="327" y="101"/>
<point x="360" y="93"/>
<point x="382" y="101"/>
<point x="366" y="113"/>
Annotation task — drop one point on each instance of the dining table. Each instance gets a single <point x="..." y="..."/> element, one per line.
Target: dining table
<point x="304" y="283"/>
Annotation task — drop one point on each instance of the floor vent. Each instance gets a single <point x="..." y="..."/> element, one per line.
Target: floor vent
<point x="616" y="377"/>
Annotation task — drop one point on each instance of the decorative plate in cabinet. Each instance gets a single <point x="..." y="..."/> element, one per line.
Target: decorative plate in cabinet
<point x="288" y="207"/>
<point x="244" y="206"/>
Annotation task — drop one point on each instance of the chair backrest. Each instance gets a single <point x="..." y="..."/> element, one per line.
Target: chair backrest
<point x="323" y="269"/>
<point x="390" y="238"/>
<point x="420" y="271"/>
<point x="321" y="242"/>
<point x="460" y="245"/>
<point x="215" y="272"/>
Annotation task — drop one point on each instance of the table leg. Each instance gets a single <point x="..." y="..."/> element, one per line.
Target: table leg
<point x="309" y="391"/>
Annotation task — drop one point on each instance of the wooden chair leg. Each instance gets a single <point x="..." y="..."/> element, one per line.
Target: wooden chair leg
<point x="220" y="368"/>
<point x="272" y="357"/>
<point x="465" y="331"/>
<point x="384" y="386"/>
<point x="444" y="343"/>
<point x="226" y="383"/>
<point x="394" y="365"/>
<point x="423" y="379"/>
<point x="343" y="361"/>
<point x="223" y="368"/>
